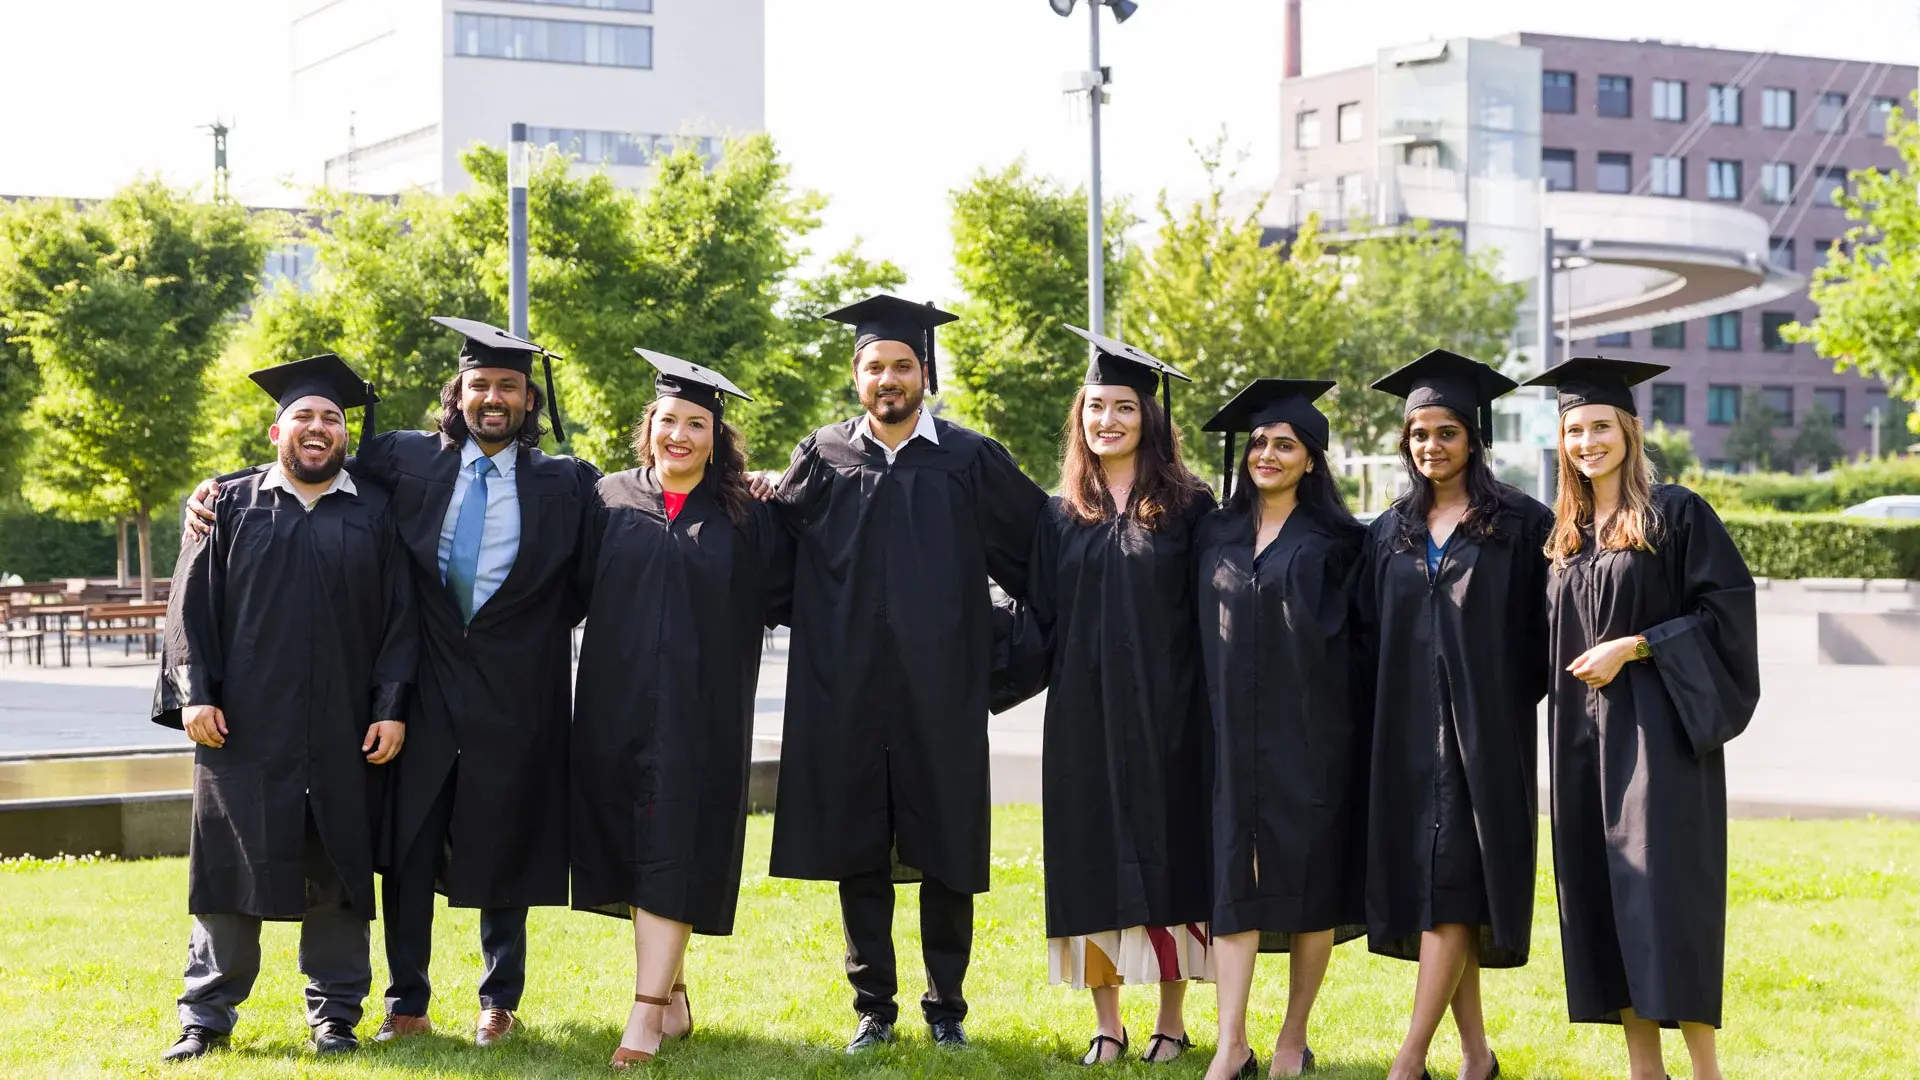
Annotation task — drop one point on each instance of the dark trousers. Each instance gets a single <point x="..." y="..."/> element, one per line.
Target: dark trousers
<point x="407" y="893"/>
<point x="946" y="944"/>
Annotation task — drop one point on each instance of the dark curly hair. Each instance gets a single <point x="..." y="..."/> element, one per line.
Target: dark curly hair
<point x="727" y="473"/>
<point x="453" y="422"/>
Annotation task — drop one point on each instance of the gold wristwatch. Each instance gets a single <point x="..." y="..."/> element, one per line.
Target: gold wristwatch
<point x="1641" y="650"/>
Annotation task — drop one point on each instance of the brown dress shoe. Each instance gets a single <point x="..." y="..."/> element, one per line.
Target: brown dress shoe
<point x="494" y="1025"/>
<point x="400" y="1025"/>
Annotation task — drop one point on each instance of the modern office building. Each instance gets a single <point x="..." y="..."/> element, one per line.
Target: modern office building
<point x="390" y="92"/>
<point x="1689" y="193"/>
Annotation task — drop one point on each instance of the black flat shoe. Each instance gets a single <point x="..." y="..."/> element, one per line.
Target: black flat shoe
<point x="1251" y="1070"/>
<point x="195" y="1041"/>
<point x="334" y="1037"/>
<point x="1306" y="1061"/>
<point x="948" y="1033"/>
<point x="873" y="1032"/>
<point x="1181" y="1045"/>
<point x="1092" y="1057"/>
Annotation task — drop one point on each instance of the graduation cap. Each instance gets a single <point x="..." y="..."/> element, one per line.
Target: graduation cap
<point x="1464" y="385"/>
<point x="325" y="376"/>
<point x="491" y="347"/>
<point x="691" y="382"/>
<point x="1116" y="363"/>
<point x="1272" y="401"/>
<point x="1597" y="380"/>
<point x="889" y="318"/>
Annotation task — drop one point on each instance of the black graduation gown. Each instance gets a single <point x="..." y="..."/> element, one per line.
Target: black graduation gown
<point x="1123" y="760"/>
<point x="300" y="626"/>
<point x="495" y="695"/>
<point x="1460" y="667"/>
<point x="663" y="707"/>
<point x="1287" y="697"/>
<point x="1639" y="781"/>
<point x="884" y="758"/>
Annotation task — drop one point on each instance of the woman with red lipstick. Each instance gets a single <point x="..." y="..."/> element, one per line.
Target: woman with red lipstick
<point x="682" y="567"/>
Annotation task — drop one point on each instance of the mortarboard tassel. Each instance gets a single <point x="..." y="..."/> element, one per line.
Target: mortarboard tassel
<point x="367" y="428"/>
<point x="1486" y="425"/>
<point x="1226" y="473"/>
<point x="933" y="377"/>
<point x="1166" y="396"/>
<point x="553" y="399"/>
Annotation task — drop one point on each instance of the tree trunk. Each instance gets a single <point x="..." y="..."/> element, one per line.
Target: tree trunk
<point x="144" y="519"/>
<point x="121" y="524"/>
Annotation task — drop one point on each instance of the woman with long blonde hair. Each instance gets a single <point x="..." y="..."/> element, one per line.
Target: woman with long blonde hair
<point x="1652" y="630"/>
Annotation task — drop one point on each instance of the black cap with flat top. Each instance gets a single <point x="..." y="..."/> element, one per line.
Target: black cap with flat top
<point x="325" y="376"/>
<point x="689" y="381"/>
<point x="1597" y="380"/>
<point x="1116" y="363"/>
<point x="1272" y="401"/>
<point x="889" y="318"/>
<point x="1460" y="383"/>
<point x="488" y="346"/>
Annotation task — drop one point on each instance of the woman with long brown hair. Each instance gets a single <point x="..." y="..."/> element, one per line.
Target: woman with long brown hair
<point x="1452" y="600"/>
<point x="1652" y="630"/>
<point x="1285" y="693"/>
<point x="1123" y="771"/>
<point x="682" y="568"/>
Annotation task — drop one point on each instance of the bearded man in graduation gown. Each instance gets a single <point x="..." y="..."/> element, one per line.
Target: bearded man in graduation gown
<point x="480" y="803"/>
<point x="901" y="519"/>
<point x="289" y="649"/>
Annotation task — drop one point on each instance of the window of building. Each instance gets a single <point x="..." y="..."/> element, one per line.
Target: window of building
<point x="620" y="147"/>
<point x="1776" y="182"/>
<point x="1614" y="174"/>
<point x="1348" y="122"/>
<point x="1834" y="400"/>
<point x="1669" y="99"/>
<point x="1723" y="330"/>
<point x="1353" y="195"/>
<point x="1776" y="108"/>
<point x="1308" y="200"/>
<point x="1770" y="324"/>
<point x="1556" y="91"/>
<point x="1615" y="95"/>
<point x="1671" y="335"/>
<point x="1780" y="252"/>
<point x="1823" y="248"/>
<point x="1621" y="340"/>
<point x="644" y="7"/>
<point x="1830" y="185"/>
<point x="1556" y="166"/>
<point x="1723" y="404"/>
<point x="1669" y="176"/>
<point x="1306" y="129"/>
<point x="1670" y="403"/>
<point x="1830" y="113"/>
<point x="1722" y="465"/>
<point x="1879" y="113"/>
<point x="1723" y="179"/>
<point x="1723" y="104"/>
<point x="598" y="44"/>
<point x="1779" y="401"/>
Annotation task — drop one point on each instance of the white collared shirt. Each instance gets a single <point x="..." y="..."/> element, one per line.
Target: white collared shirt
<point x="500" y="537"/>
<point x="922" y="429"/>
<point x="278" y="479"/>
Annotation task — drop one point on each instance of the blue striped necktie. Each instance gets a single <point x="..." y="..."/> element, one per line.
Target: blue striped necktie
<point x="463" y="562"/>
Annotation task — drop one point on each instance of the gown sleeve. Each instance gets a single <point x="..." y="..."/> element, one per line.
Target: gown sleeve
<point x="1009" y="506"/>
<point x="396" y="664"/>
<point x="1708" y="656"/>
<point x="800" y="490"/>
<point x="586" y="542"/>
<point x="1531" y="594"/>
<point x="373" y="459"/>
<point x="775" y="546"/>
<point x="1023" y="630"/>
<point x="191" y="659"/>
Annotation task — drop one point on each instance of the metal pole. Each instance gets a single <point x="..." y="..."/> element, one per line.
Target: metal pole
<point x="1549" y="454"/>
<point x="519" y="156"/>
<point x="1096" y="242"/>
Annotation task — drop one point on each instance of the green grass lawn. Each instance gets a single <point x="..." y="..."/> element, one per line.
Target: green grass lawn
<point x="1824" y="982"/>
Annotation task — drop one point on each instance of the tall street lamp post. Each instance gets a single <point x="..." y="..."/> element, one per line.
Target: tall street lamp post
<point x="1093" y="82"/>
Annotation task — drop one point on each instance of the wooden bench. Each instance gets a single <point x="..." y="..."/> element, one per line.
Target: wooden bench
<point x="33" y="638"/>
<point x="126" y="621"/>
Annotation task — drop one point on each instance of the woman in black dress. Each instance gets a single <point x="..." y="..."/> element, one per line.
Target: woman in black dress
<point x="1655" y="667"/>
<point x="1274" y="565"/>
<point x="682" y="567"/>
<point x="1123" y="765"/>
<point x="1453" y="600"/>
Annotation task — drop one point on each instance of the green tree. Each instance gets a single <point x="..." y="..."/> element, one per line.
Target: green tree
<point x="1869" y="316"/>
<point x="1817" y="444"/>
<point x="122" y="306"/>
<point x="1750" y="440"/>
<point x="1672" y="450"/>
<point x="1020" y="254"/>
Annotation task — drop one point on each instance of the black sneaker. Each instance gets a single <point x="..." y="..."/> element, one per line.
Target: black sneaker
<point x="194" y="1042"/>
<point x="334" y="1037"/>
<point x="872" y="1032"/>
<point x="948" y="1033"/>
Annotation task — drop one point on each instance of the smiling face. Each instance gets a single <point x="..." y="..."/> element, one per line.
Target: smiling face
<point x="1110" y="421"/>
<point x="494" y="402"/>
<point x="1276" y="459"/>
<point x="1439" y="443"/>
<point x="681" y="437"/>
<point x="312" y="436"/>
<point x="1594" y="440"/>
<point x="891" y="381"/>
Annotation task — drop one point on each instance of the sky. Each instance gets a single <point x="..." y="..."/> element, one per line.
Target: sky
<point x="95" y="92"/>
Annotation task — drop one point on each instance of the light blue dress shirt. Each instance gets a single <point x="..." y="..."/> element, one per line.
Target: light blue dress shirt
<point x="500" y="540"/>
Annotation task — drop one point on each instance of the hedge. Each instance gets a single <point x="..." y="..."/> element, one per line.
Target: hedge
<point x="41" y="547"/>
<point x="1826" y="545"/>
<point x="1845" y="486"/>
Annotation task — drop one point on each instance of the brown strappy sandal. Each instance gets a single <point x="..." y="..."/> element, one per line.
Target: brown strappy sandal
<point x="681" y="989"/>
<point x="623" y="1058"/>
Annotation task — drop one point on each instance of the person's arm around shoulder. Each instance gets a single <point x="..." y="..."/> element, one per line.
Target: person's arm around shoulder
<point x="192" y="660"/>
